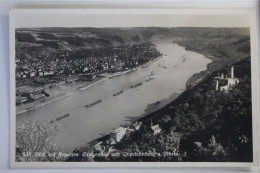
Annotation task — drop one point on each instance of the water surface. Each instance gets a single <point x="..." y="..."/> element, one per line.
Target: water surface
<point x="83" y="125"/>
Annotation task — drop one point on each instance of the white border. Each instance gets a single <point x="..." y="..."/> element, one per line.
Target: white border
<point x="255" y="88"/>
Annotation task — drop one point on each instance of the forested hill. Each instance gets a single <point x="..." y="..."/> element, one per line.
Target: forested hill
<point x="200" y="125"/>
<point x="51" y="41"/>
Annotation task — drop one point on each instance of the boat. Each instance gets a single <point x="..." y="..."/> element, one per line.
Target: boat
<point x="162" y="66"/>
<point x="183" y="58"/>
<point x="136" y="85"/>
<point x="149" y="79"/>
<point x="151" y="75"/>
<point x="60" y="118"/>
<point x="94" y="103"/>
<point x="120" y="92"/>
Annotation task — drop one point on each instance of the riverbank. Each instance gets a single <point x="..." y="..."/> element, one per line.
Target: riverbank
<point x="40" y="103"/>
<point x="89" y="84"/>
<point x="222" y="51"/>
<point x="81" y="126"/>
<point x="152" y="110"/>
<point x="117" y="74"/>
<point x="204" y="125"/>
<point x="159" y="105"/>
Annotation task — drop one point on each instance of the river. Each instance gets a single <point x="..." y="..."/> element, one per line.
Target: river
<point x="171" y="73"/>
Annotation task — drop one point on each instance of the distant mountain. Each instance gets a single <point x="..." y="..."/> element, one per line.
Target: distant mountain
<point x="100" y="37"/>
<point x="31" y="42"/>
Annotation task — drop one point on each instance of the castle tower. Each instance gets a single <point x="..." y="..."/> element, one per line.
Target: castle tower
<point x="232" y="72"/>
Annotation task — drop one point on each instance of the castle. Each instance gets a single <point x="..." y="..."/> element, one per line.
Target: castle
<point x="222" y="83"/>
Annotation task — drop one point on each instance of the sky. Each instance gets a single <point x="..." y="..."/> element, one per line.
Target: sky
<point x="74" y="19"/>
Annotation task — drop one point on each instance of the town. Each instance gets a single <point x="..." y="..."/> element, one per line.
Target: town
<point x="36" y="73"/>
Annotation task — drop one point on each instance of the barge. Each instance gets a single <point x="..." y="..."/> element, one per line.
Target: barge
<point x="136" y="85"/>
<point x="60" y="118"/>
<point x="120" y="92"/>
<point x="94" y="103"/>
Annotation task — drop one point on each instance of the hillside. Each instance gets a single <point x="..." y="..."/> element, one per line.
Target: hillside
<point x="201" y="125"/>
<point x="52" y="40"/>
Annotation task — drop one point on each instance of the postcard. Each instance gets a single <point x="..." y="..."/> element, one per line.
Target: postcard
<point x="133" y="88"/>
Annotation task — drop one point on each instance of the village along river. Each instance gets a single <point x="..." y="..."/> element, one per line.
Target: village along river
<point x="171" y="73"/>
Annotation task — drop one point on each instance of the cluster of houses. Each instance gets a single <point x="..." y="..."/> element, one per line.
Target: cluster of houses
<point x="225" y="82"/>
<point x="25" y="74"/>
<point x="66" y="63"/>
<point x="24" y="98"/>
<point x="118" y="134"/>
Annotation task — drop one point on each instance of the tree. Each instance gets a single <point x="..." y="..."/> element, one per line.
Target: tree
<point x="37" y="141"/>
<point x="213" y="152"/>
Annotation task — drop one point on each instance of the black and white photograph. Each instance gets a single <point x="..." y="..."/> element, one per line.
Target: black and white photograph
<point x="132" y="87"/>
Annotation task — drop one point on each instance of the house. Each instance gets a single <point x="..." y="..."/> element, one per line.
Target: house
<point x="136" y="125"/>
<point x="48" y="73"/>
<point x="98" y="146"/>
<point x="41" y="73"/>
<point x="32" y="74"/>
<point x="118" y="134"/>
<point x="129" y="130"/>
<point x="37" y="96"/>
<point x="156" y="129"/>
<point x="85" y="69"/>
<point x="111" y="141"/>
<point x="20" y="100"/>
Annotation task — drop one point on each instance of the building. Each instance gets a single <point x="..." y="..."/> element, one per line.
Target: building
<point x="129" y="130"/>
<point x="118" y="134"/>
<point x="37" y="96"/>
<point x="156" y="129"/>
<point x="98" y="146"/>
<point x="48" y="73"/>
<point x="225" y="83"/>
<point x="111" y="141"/>
<point x="136" y="125"/>
<point x="20" y="100"/>
<point x="41" y="73"/>
<point x="32" y="74"/>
